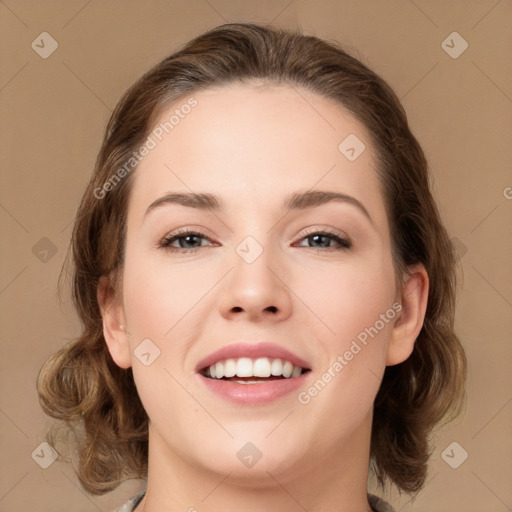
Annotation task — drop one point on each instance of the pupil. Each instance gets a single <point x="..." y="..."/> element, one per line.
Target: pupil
<point x="188" y="238"/>
<point x="316" y="237"/>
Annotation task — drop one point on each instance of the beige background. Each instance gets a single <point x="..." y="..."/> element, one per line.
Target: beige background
<point x="53" y="113"/>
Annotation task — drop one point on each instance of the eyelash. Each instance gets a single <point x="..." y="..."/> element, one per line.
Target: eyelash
<point x="343" y="243"/>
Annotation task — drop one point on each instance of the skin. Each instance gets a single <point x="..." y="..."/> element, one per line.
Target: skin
<point x="246" y="143"/>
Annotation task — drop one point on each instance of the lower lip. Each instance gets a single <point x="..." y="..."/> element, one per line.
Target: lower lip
<point x="253" y="394"/>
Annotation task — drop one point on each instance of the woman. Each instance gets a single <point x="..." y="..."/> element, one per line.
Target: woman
<point x="266" y="287"/>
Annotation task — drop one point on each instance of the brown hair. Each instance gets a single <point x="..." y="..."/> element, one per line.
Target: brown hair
<point x="98" y="400"/>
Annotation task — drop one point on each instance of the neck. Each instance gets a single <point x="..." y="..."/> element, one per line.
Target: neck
<point x="337" y="481"/>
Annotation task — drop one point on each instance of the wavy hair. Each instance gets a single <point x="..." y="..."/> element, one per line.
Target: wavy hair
<point x="98" y="401"/>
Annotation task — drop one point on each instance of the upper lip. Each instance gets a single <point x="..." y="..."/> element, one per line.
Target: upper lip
<point x="262" y="349"/>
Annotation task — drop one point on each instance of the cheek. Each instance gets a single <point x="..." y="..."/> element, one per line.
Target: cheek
<point x="159" y="294"/>
<point x="358" y="307"/>
<point x="360" y="312"/>
<point x="350" y="297"/>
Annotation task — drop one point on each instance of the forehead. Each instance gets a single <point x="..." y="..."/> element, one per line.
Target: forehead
<point x="247" y="141"/>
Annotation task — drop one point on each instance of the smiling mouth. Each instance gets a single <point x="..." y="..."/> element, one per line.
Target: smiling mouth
<point x="245" y="370"/>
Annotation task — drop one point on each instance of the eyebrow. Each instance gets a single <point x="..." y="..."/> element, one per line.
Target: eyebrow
<point x="295" y="201"/>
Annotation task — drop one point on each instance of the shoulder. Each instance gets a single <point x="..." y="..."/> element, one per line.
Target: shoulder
<point x="379" y="505"/>
<point x="131" y="503"/>
<point x="376" y="503"/>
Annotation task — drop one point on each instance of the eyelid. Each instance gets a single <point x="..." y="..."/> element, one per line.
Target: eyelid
<point x="326" y="229"/>
<point x="200" y="230"/>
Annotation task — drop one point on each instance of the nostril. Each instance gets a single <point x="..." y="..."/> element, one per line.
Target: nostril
<point x="273" y="309"/>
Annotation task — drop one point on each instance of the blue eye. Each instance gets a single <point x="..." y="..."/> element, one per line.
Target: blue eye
<point x="190" y="241"/>
<point x="324" y="238"/>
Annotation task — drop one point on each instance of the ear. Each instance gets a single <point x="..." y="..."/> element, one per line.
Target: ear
<point x="408" y="324"/>
<point x="114" y="330"/>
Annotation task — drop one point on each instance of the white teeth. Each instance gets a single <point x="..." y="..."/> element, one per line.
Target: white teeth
<point x="219" y="368"/>
<point x="229" y="368"/>
<point x="287" y="369"/>
<point x="243" y="368"/>
<point x="262" y="367"/>
<point x="277" y="367"/>
<point x="297" y="370"/>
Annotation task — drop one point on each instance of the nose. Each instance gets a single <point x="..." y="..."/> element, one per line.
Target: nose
<point x="257" y="290"/>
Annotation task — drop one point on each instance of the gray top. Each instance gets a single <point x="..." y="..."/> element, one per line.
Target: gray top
<point x="131" y="503"/>
<point x="376" y="503"/>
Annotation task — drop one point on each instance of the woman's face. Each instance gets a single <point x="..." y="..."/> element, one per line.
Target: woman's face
<point x="267" y="274"/>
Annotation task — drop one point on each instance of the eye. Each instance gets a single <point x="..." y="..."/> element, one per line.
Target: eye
<point x="324" y="240"/>
<point x="187" y="241"/>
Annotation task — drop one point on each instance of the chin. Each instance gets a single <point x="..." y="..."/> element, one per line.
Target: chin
<point x="253" y="463"/>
